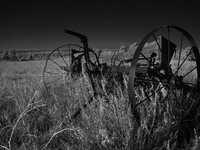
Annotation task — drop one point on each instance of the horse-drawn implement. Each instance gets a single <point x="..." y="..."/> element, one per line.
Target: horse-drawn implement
<point x="159" y="59"/>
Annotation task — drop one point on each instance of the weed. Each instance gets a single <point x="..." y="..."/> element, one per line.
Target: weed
<point x="33" y="117"/>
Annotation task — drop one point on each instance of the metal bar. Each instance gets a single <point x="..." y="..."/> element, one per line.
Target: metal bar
<point x="180" y="52"/>
<point x="157" y="42"/>
<point x="54" y="73"/>
<point x="147" y="98"/>
<point x="145" y="57"/>
<point x="53" y="81"/>
<point x="146" y="80"/>
<point x="168" y="46"/>
<point x="189" y="71"/>
<point x="159" y="48"/>
<point x="55" y="62"/>
<point x="168" y="92"/>
<point x="62" y="57"/>
<point x="183" y="61"/>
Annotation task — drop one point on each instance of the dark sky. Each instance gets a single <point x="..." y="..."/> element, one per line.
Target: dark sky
<point x="40" y="23"/>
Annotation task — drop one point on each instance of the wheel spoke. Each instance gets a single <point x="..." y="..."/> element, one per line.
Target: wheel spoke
<point x="168" y="42"/>
<point x="145" y="57"/>
<point x="183" y="61"/>
<point x="157" y="42"/>
<point x="54" y="69"/>
<point x="62" y="57"/>
<point x="172" y="71"/>
<point x="149" y="80"/>
<point x="53" y="72"/>
<point x="55" y="63"/>
<point x="170" y="90"/>
<point x="53" y="81"/>
<point x="189" y="71"/>
<point x="179" y="58"/>
<point x="149" y="96"/>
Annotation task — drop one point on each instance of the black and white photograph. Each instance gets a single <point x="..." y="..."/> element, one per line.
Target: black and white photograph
<point x="99" y="75"/>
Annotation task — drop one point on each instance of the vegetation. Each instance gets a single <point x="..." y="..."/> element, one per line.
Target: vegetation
<point x="190" y="54"/>
<point x="39" y="118"/>
<point x="33" y="118"/>
<point x="12" y="54"/>
<point x="5" y="55"/>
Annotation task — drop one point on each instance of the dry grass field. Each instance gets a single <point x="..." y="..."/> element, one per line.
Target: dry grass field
<point x="33" y="118"/>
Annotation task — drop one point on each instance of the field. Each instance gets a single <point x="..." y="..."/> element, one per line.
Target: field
<point x="32" y="117"/>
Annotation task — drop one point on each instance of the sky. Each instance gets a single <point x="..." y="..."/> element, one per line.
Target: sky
<point x="39" y="24"/>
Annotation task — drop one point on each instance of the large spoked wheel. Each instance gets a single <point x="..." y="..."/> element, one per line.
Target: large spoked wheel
<point x="62" y="61"/>
<point x="167" y="61"/>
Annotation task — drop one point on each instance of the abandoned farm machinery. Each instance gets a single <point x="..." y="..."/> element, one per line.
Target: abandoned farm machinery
<point x="159" y="59"/>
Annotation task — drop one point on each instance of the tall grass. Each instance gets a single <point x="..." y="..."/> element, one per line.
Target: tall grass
<point x="33" y="117"/>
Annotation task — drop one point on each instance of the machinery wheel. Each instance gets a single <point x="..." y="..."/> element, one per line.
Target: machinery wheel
<point x="168" y="64"/>
<point x="60" y="62"/>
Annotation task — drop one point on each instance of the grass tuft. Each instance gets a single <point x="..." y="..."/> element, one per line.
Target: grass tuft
<point x="33" y="117"/>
